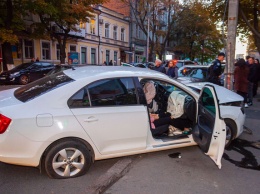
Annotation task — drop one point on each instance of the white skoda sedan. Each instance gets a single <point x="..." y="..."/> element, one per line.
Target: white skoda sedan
<point x="62" y="123"/>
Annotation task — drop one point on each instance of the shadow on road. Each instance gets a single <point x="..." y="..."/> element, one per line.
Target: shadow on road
<point x="249" y="161"/>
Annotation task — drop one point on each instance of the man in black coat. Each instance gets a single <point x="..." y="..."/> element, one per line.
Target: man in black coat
<point x="159" y="67"/>
<point x="215" y="69"/>
<point x="252" y="77"/>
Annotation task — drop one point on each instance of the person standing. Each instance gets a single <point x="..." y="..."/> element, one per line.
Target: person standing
<point x="37" y="59"/>
<point x="257" y="77"/>
<point x="215" y="69"/>
<point x="32" y="60"/>
<point x="110" y="63"/>
<point x="159" y="67"/>
<point x="172" y="69"/>
<point x="251" y="78"/>
<point x="105" y="63"/>
<point x="241" y="82"/>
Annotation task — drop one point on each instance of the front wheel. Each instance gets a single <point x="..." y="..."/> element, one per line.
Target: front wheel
<point x="231" y="131"/>
<point x="24" y="79"/>
<point x="67" y="159"/>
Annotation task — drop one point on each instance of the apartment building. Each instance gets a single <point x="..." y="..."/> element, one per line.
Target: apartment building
<point x="105" y="37"/>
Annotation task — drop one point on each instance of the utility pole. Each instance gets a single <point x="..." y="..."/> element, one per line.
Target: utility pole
<point x="231" y="43"/>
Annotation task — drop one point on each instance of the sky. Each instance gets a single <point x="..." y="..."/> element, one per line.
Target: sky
<point x="240" y="47"/>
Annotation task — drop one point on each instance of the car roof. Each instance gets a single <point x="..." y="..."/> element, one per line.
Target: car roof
<point x="195" y="66"/>
<point x="110" y="71"/>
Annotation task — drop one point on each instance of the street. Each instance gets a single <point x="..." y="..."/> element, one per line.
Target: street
<point x="156" y="172"/>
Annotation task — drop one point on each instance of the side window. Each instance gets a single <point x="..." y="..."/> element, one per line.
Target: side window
<point x="208" y="101"/>
<point x="80" y="99"/>
<point x="113" y="92"/>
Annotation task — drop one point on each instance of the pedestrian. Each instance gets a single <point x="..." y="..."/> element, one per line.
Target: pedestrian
<point x="33" y="60"/>
<point x="215" y="70"/>
<point x="110" y="63"/>
<point x="172" y="69"/>
<point x="252" y="77"/>
<point x="105" y="63"/>
<point x="159" y="67"/>
<point x="37" y="59"/>
<point x="240" y="77"/>
<point x="257" y="77"/>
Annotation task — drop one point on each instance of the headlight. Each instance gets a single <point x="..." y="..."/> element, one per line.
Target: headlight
<point x="14" y="74"/>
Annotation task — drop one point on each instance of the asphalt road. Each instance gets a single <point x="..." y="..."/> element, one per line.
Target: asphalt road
<point x="157" y="172"/>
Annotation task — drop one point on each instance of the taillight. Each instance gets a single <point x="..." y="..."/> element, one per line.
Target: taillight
<point x="4" y="123"/>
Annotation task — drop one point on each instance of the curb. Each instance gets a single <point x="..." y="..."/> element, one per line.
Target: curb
<point x="113" y="174"/>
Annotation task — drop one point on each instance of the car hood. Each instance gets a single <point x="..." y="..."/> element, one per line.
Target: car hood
<point x="7" y="98"/>
<point x="224" y="95"/>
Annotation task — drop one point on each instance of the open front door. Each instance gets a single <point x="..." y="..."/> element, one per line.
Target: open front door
<point x="210" y="132"/>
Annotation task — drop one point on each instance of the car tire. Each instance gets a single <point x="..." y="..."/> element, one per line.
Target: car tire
<point x="24" y="79"/>
<point x="58" y="161"/>
<point x="231" y="131"/>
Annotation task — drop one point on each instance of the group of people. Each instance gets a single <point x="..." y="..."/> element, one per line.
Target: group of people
<point x="33" y="59"/>
<point x="246" y="78"/>
<point x="171" y="70"/>
<point x="110" y="63"/>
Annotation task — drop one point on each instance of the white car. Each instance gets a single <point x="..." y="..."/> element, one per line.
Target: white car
<point x="231" y="108"/>
<point x="64" y="122"/>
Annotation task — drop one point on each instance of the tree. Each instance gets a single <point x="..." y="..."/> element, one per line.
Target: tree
<point x="11" y="24"/>
<point x="59" y="17"/>
<point x="248" y="17"/>
<point x="159" y="28"/>
<point x="194" y="33"/>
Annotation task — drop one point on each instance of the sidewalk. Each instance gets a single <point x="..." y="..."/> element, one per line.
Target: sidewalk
<point x="155" y="173"/>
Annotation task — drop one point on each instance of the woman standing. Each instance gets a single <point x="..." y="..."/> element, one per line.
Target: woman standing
<point x="172" y="69"/>
<point x="240" y="76"/>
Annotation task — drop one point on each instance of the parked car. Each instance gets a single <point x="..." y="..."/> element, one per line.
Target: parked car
<point x="196" y="73"/>
<point x="26" y="72"/>
<point x="231" y="108"/>
<point x="94" y="113"/>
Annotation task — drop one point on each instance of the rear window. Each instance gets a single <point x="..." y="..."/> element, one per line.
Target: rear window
<point x="42" y="86"/>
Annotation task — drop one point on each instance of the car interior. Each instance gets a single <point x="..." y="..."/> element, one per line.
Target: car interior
<point x="167" y="98"/>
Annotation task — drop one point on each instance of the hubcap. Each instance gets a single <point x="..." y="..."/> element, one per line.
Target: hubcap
<point x="68" y="162"/>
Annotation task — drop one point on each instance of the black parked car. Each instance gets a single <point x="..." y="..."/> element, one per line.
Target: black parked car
<point x="26" y="72"/>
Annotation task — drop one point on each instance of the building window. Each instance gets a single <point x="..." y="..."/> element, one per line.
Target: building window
<point x="73" y="48"/>
<point x="83" y="55"/>
<point x="107" y="30"/>
<point x="58" y="51"/>
<point x="115" y="32"/>
<point x="92" y="26"/>
<point x="82" y="25"/>
<point x="122" y="34"/>
<point x="93" y="56"/>
<point x="46" y="51"/>
<point x="107" y="56"/>
<point x="28" y="49"/>
<point x="115" y="57"/>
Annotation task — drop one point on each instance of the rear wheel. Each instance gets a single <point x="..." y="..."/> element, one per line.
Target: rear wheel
<point x="67" y="159"/>
<point x="24" y="79"/>
<point x="231" y="131"/>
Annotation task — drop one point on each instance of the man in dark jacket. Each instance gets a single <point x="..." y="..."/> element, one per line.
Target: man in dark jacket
<point x="215" y="69"/>
<point x="251" y="78"/>
<point x="159" y="67"/>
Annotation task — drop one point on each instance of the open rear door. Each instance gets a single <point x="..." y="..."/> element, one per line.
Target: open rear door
<point x="210" y="131"/>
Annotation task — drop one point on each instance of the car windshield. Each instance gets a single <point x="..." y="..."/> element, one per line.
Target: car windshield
<point x="199" y="73"/>
<point x="22" y="66"/>
<point x="179" y="64"/>
<point x="41" y="86"/>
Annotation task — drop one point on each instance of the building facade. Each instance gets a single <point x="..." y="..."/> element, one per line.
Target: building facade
<point x="104" y="38"/>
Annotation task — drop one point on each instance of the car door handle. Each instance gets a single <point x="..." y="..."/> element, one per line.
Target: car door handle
<point x="91" y="119"/>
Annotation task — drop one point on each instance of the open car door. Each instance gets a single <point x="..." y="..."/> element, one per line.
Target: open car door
<point x="210" y="131"/>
